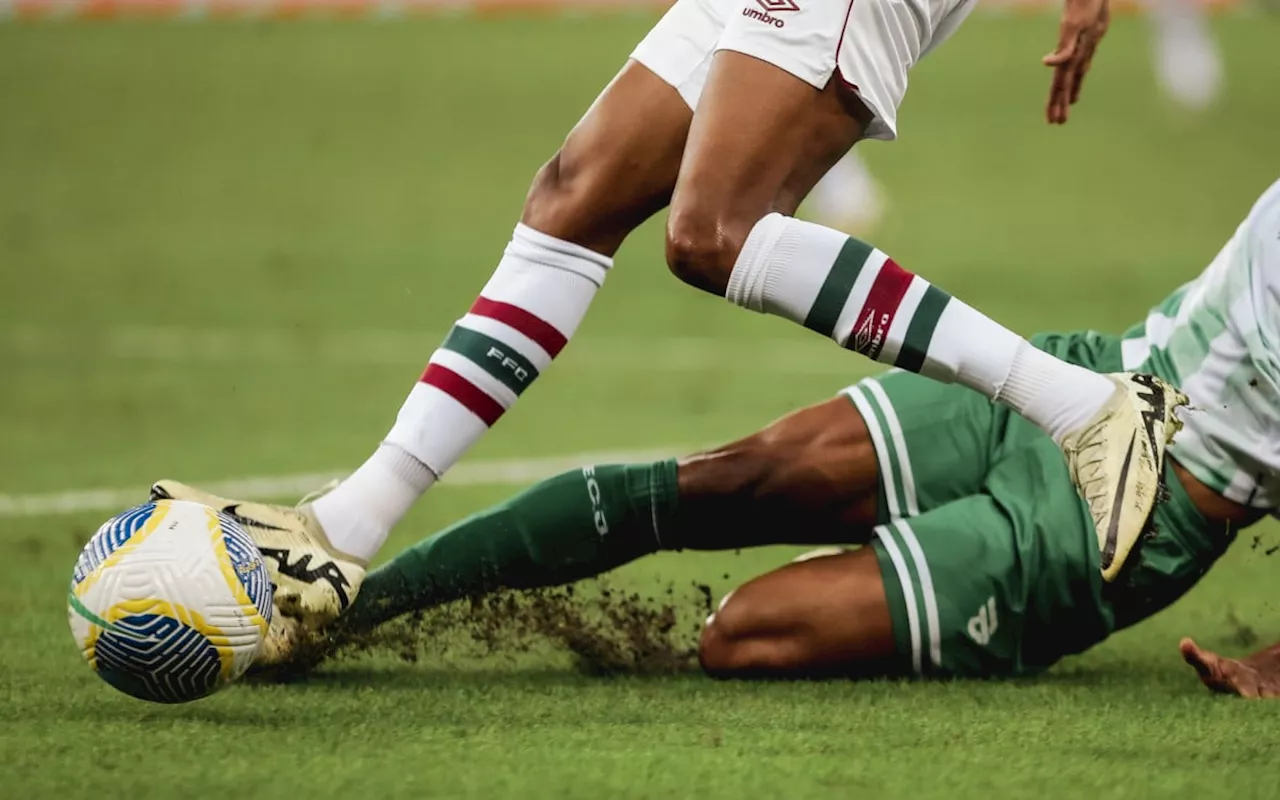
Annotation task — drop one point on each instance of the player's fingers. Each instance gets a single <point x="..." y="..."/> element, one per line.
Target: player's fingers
<point x="1081" y="72"/>
<point x="1068" y="40"/>
<point x="1086" y="61"/>
<point x="1066" y="90"/>
<point x="1053" y="108"/>
<point x="1055" y="111"/>
<point x="1243" y="686"/>
<point x="1069" y="82"/>
<point x="1222" y="674"/>
<point x="1205" y="663"/>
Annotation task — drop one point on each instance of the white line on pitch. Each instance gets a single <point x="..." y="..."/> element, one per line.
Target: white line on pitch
<point x="497" y="472"/>
<point x="408" y="349"/>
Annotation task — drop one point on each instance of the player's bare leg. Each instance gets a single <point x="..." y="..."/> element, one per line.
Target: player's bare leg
<point x="753" y="129"/>
<point x="818" y="617"/>
<point x="615" y="169"/>
<point x="809" y="478"/>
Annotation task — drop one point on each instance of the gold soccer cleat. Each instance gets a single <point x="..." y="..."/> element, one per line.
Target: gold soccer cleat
<point x="1117" y="458"/>
<point x="313" y="582"/>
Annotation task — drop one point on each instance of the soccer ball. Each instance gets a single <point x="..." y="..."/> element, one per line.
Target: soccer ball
<point x="170" y="601"/>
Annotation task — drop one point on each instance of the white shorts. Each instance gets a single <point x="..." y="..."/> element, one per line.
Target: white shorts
<point x="868" y="44"/>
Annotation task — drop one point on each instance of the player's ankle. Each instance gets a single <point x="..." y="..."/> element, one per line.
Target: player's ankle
<point x="358" y="515"/>
<point x="1058" y="397"/>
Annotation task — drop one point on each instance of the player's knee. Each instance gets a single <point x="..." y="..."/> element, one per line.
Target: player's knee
<point x="554" y="198"/>
<point x="730" y="645"/>
<point x="720" y="651"/>
<point x="702" y="248"/>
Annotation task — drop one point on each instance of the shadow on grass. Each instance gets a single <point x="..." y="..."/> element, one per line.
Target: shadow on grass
<point x="402" y="677"/>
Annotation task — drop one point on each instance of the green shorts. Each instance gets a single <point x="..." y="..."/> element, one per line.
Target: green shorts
<point x="989" y="557"/>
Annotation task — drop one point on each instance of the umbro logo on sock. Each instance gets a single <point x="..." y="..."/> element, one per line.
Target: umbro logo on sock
<point x="774" y="6"/>
<point x="869" y="337"/>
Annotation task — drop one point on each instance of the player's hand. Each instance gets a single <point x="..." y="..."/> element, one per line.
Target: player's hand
<point x="1084" y="23"/>
<point x="1256" y="676"/>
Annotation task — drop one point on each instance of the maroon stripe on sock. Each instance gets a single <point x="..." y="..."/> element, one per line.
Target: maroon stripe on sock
<point x="543" y="333"/>
<point x="464" y="391"/>
<point x="872" y="326"/>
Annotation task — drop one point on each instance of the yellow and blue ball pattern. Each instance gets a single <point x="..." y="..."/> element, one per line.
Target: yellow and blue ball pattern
<point x="170" y="601"/>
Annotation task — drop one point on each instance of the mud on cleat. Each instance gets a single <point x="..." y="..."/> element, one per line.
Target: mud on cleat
<point x="314" y="583"/>
<point x="1117" y="460"/>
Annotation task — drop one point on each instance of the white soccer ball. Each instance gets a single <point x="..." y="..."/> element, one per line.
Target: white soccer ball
<point x="170" y="601"/>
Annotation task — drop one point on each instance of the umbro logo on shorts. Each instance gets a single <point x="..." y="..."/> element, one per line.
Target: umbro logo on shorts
<point x="774" y="6"/>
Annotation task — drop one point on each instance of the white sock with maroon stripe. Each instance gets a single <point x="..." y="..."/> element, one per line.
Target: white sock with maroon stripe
<point x="848" y="290"/>
<point x="523" y="318"/>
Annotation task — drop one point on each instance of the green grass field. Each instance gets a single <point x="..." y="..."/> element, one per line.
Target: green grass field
<point x="226" y="250"/>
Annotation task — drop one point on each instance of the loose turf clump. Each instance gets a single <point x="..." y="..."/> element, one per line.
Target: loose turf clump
<point x="607" y="631"/>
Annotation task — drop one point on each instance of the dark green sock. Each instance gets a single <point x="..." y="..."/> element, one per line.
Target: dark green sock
<point x="573" y="526"/>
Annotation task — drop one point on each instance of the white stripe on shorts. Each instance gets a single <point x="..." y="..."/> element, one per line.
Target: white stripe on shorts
<point x="881" y="447"/>
<point x="908" y="591"/>
<point x="900" y="445"/>
<point x="926" y="590"/>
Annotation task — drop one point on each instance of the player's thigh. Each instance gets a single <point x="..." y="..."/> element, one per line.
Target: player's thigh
<point x="790" y="89"/>
<point x="1003" y="582"/>
<point x="618" y="165"/>
<point x="807" y="478"/>
<point x="956" y="589"/>
<point x="822" y="616"/>
<point x="888" y="447"/>
<point x="944" y="594"/>
<point x="756" y="126"/>
<point x="933" y="442"/>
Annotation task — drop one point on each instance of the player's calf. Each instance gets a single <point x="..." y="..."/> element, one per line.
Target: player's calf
<point x="807" y="478"/>
<point x="616" y="168"/>
<point x="760" y="140"/>
<point x="818" y="617"/>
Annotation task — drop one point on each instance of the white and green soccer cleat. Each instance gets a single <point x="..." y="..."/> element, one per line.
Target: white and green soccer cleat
<point x="314" y="583"/>
<point x="1117" y="460"/>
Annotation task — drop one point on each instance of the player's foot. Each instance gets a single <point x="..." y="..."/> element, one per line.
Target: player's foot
<point x="313" y="582"/>
<point x="1116" y="460"/>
